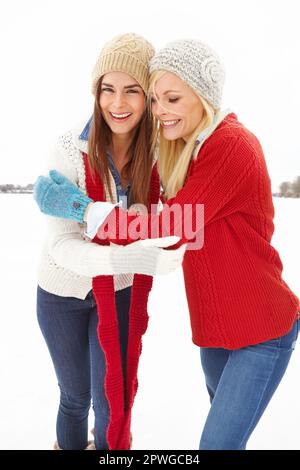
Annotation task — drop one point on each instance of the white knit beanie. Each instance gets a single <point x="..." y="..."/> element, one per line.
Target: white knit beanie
<point x="196" y="64"/>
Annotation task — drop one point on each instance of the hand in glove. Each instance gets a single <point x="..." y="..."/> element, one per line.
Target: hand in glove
<point x="56" y="195"/>
<point x="147" y="256"/>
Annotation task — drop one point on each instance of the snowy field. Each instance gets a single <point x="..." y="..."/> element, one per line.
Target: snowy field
<point x="172" y="402"/>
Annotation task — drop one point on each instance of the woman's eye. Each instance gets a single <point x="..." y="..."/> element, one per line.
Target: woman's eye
<point x="173" y="100"/>
<point x="107" y="89"/>
<point x="132" y="91"/>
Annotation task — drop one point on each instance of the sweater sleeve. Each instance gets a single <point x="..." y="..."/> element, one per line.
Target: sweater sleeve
<point x="221" y="181"/>
<point x="65" y="240"/>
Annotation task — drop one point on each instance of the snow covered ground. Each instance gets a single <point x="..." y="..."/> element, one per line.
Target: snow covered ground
<point x="172" y="401"/>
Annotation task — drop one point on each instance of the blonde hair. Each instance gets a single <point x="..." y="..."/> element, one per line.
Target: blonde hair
<point x="174" y="156"/>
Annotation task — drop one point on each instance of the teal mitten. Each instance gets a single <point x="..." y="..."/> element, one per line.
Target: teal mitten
<point x="56" y="195"/>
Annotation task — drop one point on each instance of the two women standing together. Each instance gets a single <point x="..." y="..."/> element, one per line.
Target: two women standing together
<point x="157" y="122"/>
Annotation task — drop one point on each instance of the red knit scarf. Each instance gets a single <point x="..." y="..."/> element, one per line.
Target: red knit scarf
<point x="120" y="395"/>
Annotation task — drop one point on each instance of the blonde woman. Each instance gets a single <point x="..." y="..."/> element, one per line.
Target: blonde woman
<point x="244" y="317"/>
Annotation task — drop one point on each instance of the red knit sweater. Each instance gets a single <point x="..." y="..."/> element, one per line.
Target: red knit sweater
<point x="234" y="288"/>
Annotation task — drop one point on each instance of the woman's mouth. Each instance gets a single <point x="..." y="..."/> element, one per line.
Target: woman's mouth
<point x="169" y="124"/>
<point x="121" y="117"/>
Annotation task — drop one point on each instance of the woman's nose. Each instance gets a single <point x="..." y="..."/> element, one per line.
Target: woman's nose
<point x="118" y="100"/>
<point x="157" y="109"/>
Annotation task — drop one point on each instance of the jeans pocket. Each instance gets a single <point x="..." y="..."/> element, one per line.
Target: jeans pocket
<point x="286" y="341"/>
<point x="274" y="343"/>
<point x="290" y="339"/>
<point x="297" y="332"/>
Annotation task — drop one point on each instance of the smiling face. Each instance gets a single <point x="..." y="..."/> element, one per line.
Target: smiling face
<point x="122" y="102"/>
<point x="176" y="106"/>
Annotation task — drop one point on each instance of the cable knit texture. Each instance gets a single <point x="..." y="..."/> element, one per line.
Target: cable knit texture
<point x="234" y="284"/>
<point x="120" y="395"/>
<point x="195" y="63"/>
<point x="127" y="53"/>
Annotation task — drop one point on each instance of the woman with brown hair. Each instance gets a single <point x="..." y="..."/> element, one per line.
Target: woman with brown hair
<point x="91" y="304"/>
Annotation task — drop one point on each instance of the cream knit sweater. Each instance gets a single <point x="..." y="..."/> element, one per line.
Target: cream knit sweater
<point x="69" y="260"/>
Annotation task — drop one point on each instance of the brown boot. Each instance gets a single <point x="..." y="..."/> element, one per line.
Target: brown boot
<point x="130" y="442"/>
<point x="56" y="447"/>
<point x="90" y="446"/>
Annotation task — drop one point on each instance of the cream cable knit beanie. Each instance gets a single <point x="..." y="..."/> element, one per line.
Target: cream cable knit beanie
<point x="127" y="53"/>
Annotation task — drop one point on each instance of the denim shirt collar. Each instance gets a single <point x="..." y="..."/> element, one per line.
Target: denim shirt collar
<point x="85" y="133"/>
<point x="218" y="118"/>
<point x="121" y="192"/>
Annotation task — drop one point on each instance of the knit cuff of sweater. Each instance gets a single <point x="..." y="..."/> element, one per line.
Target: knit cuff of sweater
<point x="78" y="207"/>
<point x="97" y="215"/>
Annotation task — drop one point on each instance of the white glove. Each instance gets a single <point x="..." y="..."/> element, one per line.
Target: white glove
<point x="147" y="256"/>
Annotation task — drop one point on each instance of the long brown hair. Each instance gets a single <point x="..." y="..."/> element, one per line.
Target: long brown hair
<point x="139" y="167"/>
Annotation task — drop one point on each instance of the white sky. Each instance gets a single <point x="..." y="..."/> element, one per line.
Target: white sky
<point x="49" y="47"/>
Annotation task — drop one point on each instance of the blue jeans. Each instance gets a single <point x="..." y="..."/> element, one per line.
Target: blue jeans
<point x="69" y="327"/>
<point x="240" y="384"/>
